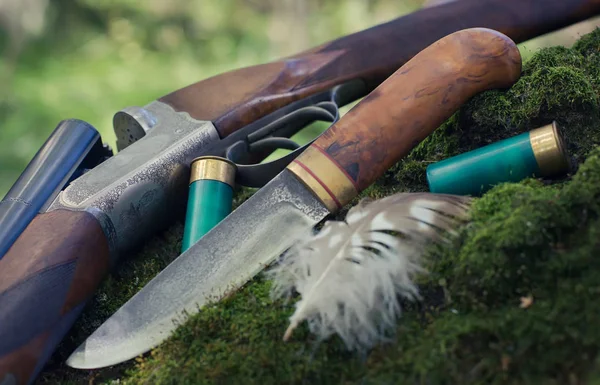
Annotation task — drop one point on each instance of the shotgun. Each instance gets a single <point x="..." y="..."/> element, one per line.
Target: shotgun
<point x="59" y="260"/>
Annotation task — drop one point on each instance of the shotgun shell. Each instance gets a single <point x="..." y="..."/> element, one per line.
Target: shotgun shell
<point x="538" y="153"/>
<point x="210" y="197"/>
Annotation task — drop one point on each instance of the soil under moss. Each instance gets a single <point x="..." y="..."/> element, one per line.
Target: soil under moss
<point x="513" y="301"/>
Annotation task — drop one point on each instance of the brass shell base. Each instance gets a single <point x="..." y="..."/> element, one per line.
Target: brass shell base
<point x="549" y="150"/>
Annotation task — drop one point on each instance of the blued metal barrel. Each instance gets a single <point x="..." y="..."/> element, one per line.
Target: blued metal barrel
<point x="538" y="153"/>
<point x="210" y="196"/>
<point x="54" y="165"/>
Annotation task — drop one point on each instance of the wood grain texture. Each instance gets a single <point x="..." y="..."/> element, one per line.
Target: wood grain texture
<point x="236" y="98"/>
<point x="387" y="124"/>
<point x="50" y="271"/>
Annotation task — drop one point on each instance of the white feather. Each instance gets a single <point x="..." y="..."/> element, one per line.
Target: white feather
<point x="351" y="274"/>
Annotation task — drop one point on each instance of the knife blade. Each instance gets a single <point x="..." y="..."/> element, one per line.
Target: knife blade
<point x="343" y="161"/>
<point x="220" y="260"/>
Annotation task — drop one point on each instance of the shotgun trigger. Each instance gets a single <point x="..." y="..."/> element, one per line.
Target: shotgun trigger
<point x="274" y="133"/>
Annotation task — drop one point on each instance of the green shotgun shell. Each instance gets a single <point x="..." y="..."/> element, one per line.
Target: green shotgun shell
<point x="538" y="153"/>
<point x="210" y="197"/>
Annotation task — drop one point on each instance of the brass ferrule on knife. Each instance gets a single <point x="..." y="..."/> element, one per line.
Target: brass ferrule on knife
<point x="324" y="177"/>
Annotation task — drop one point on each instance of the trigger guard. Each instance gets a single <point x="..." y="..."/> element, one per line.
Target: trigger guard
<point x="258" y="175"/>
<point x="273" y="144"/>
<point x="275" y="131"/>
<point x="239" y="153"/>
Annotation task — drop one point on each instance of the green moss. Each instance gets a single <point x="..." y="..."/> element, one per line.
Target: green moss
<point x="535" y="240"/>
<point x="589" y="45"/>
<point x="534" y="96"/>
<point x="554" y="57"/>
<point x="527" y="241"/>
<point x="409" y="174"/>
<point x="233" y="342"/>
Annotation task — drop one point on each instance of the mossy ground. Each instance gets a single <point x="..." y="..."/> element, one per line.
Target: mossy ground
<point x="513" y="301"/>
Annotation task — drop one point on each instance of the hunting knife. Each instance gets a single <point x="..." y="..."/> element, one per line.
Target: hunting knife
<point x="384" y="127"/>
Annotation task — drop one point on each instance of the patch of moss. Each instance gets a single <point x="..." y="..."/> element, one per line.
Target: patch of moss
<point x="589" y="45"/>
<point x="526" y="241"/>
<point x="557" y="56"/>
<point x="409" y="174"/>
<point x="238" y="341"/>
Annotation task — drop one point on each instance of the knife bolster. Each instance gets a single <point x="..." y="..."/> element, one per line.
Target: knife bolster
<point x="324" y="177"/>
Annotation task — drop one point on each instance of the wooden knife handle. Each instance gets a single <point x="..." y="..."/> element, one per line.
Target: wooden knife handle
<point x="45" y="278"/>
<point x="387" y="124"/>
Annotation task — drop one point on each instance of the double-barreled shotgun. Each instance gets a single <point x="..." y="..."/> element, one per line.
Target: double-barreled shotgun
<point x="60" y="259"/>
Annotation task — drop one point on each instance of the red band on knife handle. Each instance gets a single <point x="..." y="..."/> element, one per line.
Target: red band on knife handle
<point x="331" y="194"/>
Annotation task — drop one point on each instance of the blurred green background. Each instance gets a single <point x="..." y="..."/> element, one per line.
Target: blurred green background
<point x="87" y="59"/>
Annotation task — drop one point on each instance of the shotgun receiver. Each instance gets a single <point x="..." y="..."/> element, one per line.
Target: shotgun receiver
<point x="62" y="256"/>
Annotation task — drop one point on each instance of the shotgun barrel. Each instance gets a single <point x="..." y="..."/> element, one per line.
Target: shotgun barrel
<point x="73" y="146"/>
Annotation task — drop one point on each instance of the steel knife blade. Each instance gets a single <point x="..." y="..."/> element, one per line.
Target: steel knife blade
<point x="223" y="259"/>
<point x="343" y="161"/>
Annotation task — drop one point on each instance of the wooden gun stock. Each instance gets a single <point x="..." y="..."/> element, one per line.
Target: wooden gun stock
<point x="236" y="98"/>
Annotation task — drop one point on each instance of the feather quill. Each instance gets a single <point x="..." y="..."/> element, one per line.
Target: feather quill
<point x="351" y="274"/>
